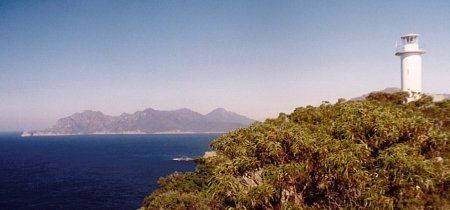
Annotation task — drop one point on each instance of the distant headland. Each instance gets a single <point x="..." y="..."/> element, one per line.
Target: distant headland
<point x="148" y="121"/>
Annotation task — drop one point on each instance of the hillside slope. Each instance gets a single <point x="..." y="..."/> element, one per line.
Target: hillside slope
<point x="369" y="154"/>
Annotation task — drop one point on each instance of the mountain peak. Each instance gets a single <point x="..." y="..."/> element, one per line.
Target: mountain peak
<point x="149" y="110"/>
<point x="183" y="110"/>
<point x="87" y="111"/>
<point x="219" y="110"/>
<point x="227" y="116"/>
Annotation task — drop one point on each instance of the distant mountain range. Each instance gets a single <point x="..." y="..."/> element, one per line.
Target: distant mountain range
<point x="149" y="121"/>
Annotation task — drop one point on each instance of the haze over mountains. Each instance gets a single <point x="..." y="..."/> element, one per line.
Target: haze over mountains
<point x="147" y="121"/>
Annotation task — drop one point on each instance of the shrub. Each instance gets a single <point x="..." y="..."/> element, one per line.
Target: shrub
<point x="375" y="153"/>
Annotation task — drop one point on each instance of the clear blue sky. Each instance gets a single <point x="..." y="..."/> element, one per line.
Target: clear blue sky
<point x="256" y="58"/>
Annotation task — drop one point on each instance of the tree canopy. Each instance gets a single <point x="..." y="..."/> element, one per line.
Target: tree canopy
<point x="380" y="152"/>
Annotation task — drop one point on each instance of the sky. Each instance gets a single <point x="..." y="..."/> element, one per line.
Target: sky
<point x="256" y="58"/>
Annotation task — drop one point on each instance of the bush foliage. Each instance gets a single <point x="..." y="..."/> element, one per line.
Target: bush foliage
<point x="377" y="153"/>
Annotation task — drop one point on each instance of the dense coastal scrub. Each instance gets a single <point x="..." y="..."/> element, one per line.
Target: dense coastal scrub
<point x="377" y="153"/>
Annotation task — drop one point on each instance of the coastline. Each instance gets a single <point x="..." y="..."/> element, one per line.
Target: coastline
<point x="31" y="134"/>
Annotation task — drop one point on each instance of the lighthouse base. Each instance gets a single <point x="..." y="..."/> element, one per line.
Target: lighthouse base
<point x="413" y="96"/>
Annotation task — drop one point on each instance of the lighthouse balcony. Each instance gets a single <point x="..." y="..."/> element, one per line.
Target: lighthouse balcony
<point x="409" y="49"/>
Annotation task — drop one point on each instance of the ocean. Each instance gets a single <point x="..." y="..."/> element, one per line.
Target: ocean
<point x="90" y="172"/>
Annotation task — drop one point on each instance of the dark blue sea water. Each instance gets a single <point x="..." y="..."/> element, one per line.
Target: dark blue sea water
<point x="90" y="172"/>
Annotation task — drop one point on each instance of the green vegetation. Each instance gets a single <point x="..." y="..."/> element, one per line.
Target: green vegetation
<point x="377" y="153"/>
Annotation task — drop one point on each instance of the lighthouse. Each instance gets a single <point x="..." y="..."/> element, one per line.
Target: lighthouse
<point x="411" y="65"/>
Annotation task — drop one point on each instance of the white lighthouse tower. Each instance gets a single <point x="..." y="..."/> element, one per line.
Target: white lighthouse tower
<point x="411" y="65"/>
